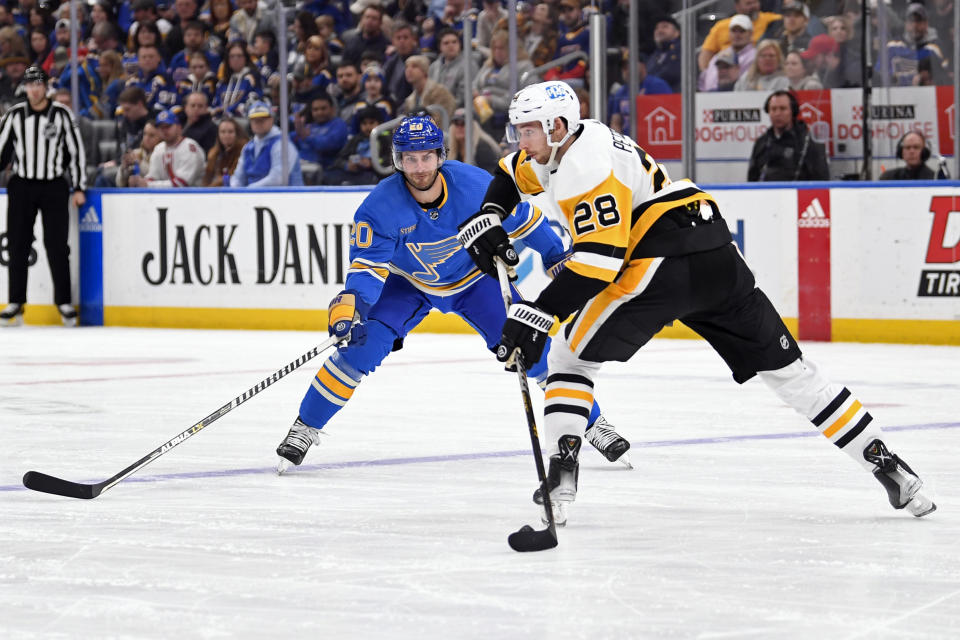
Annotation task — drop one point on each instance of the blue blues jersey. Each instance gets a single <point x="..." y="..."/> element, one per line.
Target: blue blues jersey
<point x="392" y="233"/>
<point x="903" y="62"/>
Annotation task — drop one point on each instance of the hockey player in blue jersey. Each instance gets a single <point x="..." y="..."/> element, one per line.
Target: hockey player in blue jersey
<point x="406" y="259"/>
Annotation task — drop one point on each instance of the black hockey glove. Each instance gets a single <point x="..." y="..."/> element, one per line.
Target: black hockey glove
<point x="527" y="328"/>
<point x="483" y="237"/>
<point x="346" y="314"/>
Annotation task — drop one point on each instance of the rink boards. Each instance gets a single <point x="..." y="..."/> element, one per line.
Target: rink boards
<point x="868" y="262"/>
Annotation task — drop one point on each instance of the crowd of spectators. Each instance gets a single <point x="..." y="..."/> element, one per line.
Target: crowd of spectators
<point x="911" y="44"/>
<point x="213" y="67"/>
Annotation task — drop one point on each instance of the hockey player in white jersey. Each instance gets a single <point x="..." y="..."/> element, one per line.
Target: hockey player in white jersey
<point x="647" y="252"/>
<point x="176" y="161"/>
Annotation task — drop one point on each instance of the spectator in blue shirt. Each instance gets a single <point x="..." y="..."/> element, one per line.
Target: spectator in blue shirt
<point x="112" y="81"/>
<point x="241" y="84"/>
<point x="200" y="78"/>
<point x="919" y="44"/>
<point x="194" y="41"/>
<point x="574" y="36"/>
<point x="261" y="162"/>
<point x="125" y="15"/>
<point x="354" y="164"/>
<point x="151" y="77"/>
<point x="664" y="62"/>
<point x="373" y="95"/>
<point x="89" y="87"/>
<point x="619" y="107"/>
<point x="336" y="9"/>
<point x="319" y="134"/>
<point x="265" y="56"/>
<point x="327" y="31"/>
<point x="313" y="72"/>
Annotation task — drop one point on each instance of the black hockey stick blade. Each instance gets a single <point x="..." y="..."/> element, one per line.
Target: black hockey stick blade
<point x="530" y="539"/>
<point x="59" y="487"/>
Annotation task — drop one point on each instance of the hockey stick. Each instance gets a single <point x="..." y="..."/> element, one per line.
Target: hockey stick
<point x="57" y="486"/>
<point x="528" y="538"/>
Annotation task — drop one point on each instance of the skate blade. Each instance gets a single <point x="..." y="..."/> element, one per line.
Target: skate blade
<point x="559" y="514"/>
<point x="69" y="322"/>
<point x="920" y="506"/>
<point x="625" y="460"/>
<point x="15" y="321"/>
<point x="282" y="465"/>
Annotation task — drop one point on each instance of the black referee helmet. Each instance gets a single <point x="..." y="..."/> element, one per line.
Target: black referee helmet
<point x="34" y="74"/>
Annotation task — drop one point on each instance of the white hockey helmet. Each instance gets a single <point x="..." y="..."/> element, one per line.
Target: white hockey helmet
<point x="544" y="103"/>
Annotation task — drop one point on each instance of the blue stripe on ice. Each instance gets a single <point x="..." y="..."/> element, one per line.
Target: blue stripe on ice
<point x="384" y="462"/>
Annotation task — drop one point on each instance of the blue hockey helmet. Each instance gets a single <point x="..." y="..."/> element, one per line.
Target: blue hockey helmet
<point x="417" y="133"/>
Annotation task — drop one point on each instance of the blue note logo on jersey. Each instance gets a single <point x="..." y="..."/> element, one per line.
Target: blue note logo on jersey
<point x="431" y="255"/>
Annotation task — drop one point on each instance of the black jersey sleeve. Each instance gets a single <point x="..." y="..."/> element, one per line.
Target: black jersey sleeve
<point x="568" y="293"/>
<point x="502" y="193"/>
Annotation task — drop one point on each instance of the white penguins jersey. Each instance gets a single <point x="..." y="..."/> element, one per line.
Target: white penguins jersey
<point x="600" y="180"/>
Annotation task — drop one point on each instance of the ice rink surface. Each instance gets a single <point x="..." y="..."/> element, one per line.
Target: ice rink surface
<point x="739" y="521"/>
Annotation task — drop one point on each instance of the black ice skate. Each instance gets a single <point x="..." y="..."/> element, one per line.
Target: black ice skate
<point x="902" y="484"/>
<point x="561" y="479"/>
<point x="68" y="315"/>
<point x="602" y="435"/>
<point x="295" y="446"/>
<point x="12" y="315"/>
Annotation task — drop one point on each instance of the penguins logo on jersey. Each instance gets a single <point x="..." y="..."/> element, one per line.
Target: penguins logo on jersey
<point x="432" y="254"/>
<point x="555" y="93"/>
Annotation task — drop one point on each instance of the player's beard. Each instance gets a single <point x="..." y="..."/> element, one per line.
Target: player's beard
<point x="541" y="156"/>
<point x="422" y="182"/>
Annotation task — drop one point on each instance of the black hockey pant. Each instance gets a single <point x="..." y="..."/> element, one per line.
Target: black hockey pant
<point x="24" y="199"/>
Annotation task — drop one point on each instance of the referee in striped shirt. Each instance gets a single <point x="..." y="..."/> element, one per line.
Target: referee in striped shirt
<point x="42" y="140"/>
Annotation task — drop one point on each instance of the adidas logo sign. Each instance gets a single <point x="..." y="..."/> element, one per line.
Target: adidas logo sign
<point x="813" y="217"/>
<point x="90" y="221"/>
